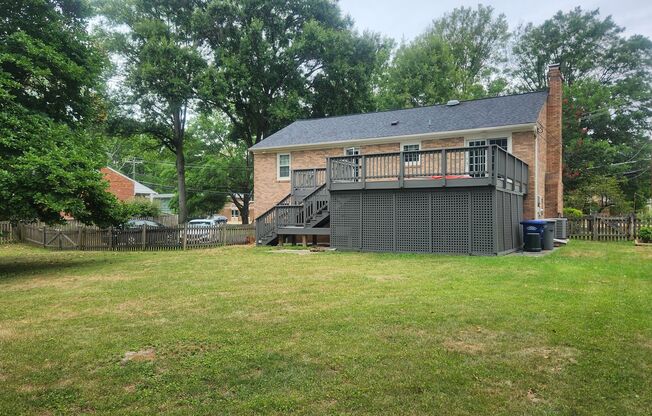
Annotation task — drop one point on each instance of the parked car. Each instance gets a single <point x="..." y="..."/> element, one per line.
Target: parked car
<point x="203" y="230"/>
<point x="131" y="234"/>
<point x="143" y="223"/>
<point x="220" y="219"/>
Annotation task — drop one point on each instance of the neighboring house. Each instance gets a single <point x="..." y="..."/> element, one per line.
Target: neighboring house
<point x="125" y="188"/>
<point x="232" y="213"/>
<point x="447" y="178"/>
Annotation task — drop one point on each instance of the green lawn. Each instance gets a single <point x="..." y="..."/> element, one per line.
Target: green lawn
<point x="243" y="330"/>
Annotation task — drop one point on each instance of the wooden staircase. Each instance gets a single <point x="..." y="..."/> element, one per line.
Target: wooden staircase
<point x="302" y="212"/>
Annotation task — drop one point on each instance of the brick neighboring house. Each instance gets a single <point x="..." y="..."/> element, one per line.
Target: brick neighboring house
<point x="231" y="212"/>
<point x="500" y="155"/>
<point x="125" y="188"/>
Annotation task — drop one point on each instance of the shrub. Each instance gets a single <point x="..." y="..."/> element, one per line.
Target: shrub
<point x="573" y="213"/>
<point x="645" y="234"/>
<point x="140" y="207"/>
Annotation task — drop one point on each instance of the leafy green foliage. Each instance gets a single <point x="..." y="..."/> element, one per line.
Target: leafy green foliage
<point x="598" y="193"/>
<point x="422" y="73"/>
<point x="573" y="213"/>
<point x="276" y="61"/>
<point x="645" y="234"/>
<point x="163" y="66"/>
<point x="49" y="97"/>
<point x="607" y="98"/>
<point x="456" y="58"/>
<point x="140" y="207"/>
<point x="477" y="40"/>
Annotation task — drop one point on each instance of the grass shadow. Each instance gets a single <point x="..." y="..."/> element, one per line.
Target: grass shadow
<point x="18" y="269"/>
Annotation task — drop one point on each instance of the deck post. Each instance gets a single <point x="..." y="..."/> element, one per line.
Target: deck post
<point x="363" y="170"/>
<point x="328" y="173"/>
<point x="304" y="240"/>
<point x="444" y="165"/>
<point x="401" y="170"/>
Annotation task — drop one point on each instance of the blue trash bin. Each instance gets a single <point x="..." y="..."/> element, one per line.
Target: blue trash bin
<point x="534" y="226"/>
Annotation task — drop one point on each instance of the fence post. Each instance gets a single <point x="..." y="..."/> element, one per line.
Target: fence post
<point x="184" y="238"/>
<point x="632" y="226"/>
<point x="82" y="238"/>
<point x="44" y="236"/>
<point x="110" y="238"/>
<point x="594" y="227"/>
<point x="144" y="241"/>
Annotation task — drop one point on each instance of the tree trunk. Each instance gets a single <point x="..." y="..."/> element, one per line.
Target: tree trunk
<point x="181" y="184"/>
<point x="244" y="213"/>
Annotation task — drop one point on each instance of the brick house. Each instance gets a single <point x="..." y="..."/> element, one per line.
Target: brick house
<point x="447" y="178"/>
<point x="232" y="213"/>
<point x="125" y="188"/>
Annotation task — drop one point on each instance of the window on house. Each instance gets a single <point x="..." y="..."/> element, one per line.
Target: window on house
<point x="477" y="159"/>
<point x="502" y="142"/>
<point x="235" y="213"/>
<point x="411" y="158"/>
<point x="351" y="151"/>
<point x="284" y="166"/>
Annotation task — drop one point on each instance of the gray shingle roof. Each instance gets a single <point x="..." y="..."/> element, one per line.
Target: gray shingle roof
<point x="486" y="112"/>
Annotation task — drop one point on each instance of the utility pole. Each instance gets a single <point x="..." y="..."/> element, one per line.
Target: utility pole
<point x="134" y="161"/>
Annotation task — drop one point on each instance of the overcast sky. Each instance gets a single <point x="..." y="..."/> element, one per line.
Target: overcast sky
<point x="408" y="18"/>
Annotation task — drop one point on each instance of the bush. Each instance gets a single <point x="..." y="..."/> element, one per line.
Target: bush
<point x="645" y="234"/>
<point x="573" y="213"/>
<point x="140" y="207"/>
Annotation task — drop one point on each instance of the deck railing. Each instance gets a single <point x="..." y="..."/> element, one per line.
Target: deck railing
<point x="308" y="178"/>
<point x="464" y="166"/>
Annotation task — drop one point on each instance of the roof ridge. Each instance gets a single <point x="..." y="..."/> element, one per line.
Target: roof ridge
<point x="415" y="108"/>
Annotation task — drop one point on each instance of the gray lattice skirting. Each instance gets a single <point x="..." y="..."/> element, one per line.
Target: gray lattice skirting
<point x="478" y="221"/>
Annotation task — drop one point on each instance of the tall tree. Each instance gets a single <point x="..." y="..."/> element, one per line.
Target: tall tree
<point x="477" y="39"/>
<point x="163" y="65"/>
<point x="274" y="61"/>
<point x="50" y="95"/>
<point x="422" y="72"/>
<point x="607" y="97"/>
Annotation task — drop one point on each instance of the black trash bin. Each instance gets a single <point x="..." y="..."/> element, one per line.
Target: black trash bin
<point x="532" y="242"/>
<point x="549" y="235"/>
<point x="534" y="227"/>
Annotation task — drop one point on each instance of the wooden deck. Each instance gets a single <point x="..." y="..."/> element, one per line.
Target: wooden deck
<point x="432" y="168"/>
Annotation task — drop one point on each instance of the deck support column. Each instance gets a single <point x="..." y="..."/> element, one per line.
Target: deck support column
<point x="304" y="240"/>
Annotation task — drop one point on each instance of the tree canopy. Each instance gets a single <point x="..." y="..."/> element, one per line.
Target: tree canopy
<point x="50" y="97"/>
<point x="607" y="100"/>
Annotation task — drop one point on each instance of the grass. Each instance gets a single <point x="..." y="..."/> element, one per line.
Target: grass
<point x="243" y="330"/>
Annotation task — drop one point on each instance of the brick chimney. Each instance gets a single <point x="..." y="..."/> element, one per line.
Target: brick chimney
<point x="554" y="202"/>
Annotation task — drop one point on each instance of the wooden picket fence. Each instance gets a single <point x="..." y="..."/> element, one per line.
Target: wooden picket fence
<point x="137" y="239"/>
<point x="599" y="228"/>
<point x="6" y="232"/>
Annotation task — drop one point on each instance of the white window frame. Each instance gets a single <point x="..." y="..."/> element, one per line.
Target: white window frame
<point x="490" y="136"/>
<point x="486" y="137"/>
<point x="412" y="162"/>
<point x="355" y="151"/>
<point x="278" y="167"/>
<point x="236" y="211"/>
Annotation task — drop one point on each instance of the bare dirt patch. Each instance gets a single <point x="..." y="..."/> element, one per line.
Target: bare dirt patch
<point x="472" y="341"/>
<point x="551" y="359"/>
<point x="147" y="354"/>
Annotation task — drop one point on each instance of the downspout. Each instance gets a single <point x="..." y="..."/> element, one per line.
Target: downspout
<point x="536" y="172"/>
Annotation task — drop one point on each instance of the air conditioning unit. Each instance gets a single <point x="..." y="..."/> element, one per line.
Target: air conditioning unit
<point x="561" y="227"/>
